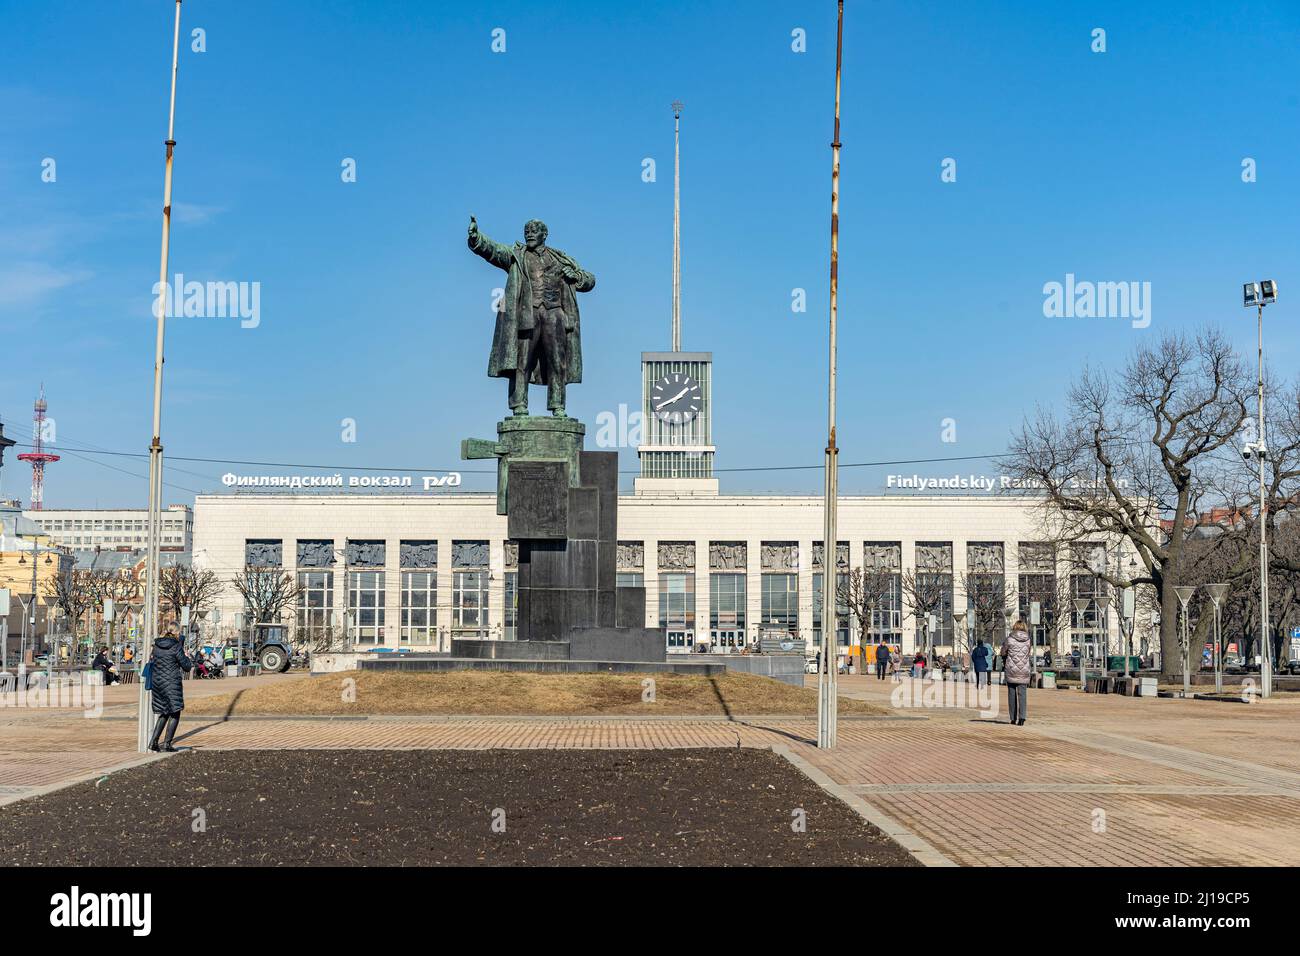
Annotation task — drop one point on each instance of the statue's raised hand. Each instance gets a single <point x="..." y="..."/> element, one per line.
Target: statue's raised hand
<point x="473" y="228"/>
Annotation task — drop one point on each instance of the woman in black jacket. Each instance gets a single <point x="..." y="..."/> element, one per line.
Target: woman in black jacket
<point x="168" y="662"/>
<point x="104" y="665"/>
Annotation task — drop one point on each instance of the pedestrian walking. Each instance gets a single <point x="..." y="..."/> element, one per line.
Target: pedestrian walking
<point x="166" y="667"/>
<point x="918" y="665"/>
<point x="882" y="660"/>
<point x="979" y="662"/>
<point x="1015" y="668"/>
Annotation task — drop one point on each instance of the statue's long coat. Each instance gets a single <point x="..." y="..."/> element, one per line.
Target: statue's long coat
<point x="518" y="296"/>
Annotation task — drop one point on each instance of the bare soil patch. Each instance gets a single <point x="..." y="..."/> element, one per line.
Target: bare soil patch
<point x="431" y="808"/>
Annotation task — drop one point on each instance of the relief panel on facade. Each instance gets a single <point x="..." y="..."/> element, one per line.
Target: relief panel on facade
<point x="365" y="554"/>
<point x="727" y="555"/>
<point x="469" y="554"/>
<point x="1088" y="556"/>
<point x="882" y="556"/>
<point x="676" y="555"/>
<point x="1037" y="557"/>
<point x="419" y="554"/>
<point x="263" y="554"/>
<point x="510" y="551"/>
<point x="934" y="557"/>
<point x="316" y="554"/>
<point x="985" y="557"/>
<point x="780" y="556"/>
<point x="841" y="555"/>
<point x="631" y="555"/>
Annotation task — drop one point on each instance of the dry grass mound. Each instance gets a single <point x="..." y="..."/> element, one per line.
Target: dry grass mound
<point x="520" y="694"/>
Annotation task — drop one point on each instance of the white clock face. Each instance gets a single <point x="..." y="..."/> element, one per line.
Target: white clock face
<point x="676" y="398"/>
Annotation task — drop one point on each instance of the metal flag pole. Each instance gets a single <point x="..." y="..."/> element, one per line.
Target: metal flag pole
<point x="827" y="676"/>
<point x="155" y="447"/>
<point x="677" y="226"/>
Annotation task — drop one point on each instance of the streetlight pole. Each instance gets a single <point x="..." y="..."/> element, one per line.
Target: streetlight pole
<point x="1260" y="294"/>
<point x="1217" y="592"/>
<point x="827" y="677"/>
<point x="1080" y="609"/>
<point x="1266" y="665"/>
<point x="1185" y="593"/>
<point x="155" y="446"/>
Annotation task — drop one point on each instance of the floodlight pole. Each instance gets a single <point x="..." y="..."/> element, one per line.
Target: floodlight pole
<point x="155" y="446"/>
<point x="1266" y="665"/>
<point x="827" y="677"/>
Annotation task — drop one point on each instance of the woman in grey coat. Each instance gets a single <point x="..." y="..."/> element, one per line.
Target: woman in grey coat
<point x="1015" y="669"/>
<point x="167" y="666"/>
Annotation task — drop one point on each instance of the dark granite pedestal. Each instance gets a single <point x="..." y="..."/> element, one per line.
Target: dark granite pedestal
<point x="562" y="504"/>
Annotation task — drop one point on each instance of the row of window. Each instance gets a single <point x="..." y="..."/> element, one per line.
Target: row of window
<point x="366" y="612"/>
<point x="932" y="591"/>
<point x="104" y="524"/>
<point x="91" y="541"/>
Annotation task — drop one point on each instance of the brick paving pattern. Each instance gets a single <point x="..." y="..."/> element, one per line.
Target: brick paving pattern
<point x="1088" y="781"/>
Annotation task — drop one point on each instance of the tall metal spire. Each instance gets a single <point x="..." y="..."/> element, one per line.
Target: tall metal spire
<point x="677" y="226"/>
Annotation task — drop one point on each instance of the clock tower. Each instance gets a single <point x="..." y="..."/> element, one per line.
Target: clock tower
<point x="676" y="448"/>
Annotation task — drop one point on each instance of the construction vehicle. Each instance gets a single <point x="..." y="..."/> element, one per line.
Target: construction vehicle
<point x="268" y="645"/>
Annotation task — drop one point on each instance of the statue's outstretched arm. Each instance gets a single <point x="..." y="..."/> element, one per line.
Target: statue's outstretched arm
<point x="481" y="245"/>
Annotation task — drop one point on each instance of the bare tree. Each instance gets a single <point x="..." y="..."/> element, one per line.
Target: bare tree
<point x="989" y="597"/>
<point x="924" y="593"/>
<point x="267" y="593"/>
<point x="864" y="592"/>
<point x="1141" y="445"/>
<point x="73" y="593"/>
<point x="186" y="586"/>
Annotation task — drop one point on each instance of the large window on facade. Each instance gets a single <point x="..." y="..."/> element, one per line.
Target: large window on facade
<point x="939" y="587"/>
<point x="630" y="579"/>
<point x="511" y="607"/>
<point x="1040" y="589"/>
<point x="366" y="606"/>
<point x="469" y="600"/>
<point x="727" y="609"/>
<point x="842" y="610"/>
<point x="887" y="615"/>
<point x="1090" y="588"/>
<point x="419" y="607"/>
<point x="933" y="592"/>
<point x="677" y="608"/>
<point x="780" y="602"/>
<point x="316" y="608"/>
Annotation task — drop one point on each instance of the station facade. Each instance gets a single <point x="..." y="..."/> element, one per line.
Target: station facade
<point x="719" y="570"/>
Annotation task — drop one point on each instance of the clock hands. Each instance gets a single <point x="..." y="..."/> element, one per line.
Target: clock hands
<point x="673" y="399"/>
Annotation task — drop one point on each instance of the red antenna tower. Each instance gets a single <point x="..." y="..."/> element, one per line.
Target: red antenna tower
<point x="38" y="456"/>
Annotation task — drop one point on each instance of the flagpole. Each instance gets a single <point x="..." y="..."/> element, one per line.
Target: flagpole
<point x="828" y="673"/>
<point x="155" y="447"/>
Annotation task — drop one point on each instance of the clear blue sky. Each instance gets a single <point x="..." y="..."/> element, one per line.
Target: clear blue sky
<point x="1119" y="166"/>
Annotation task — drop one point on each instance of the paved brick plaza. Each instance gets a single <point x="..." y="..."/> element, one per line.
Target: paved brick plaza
<point x="1088" y="781"/>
